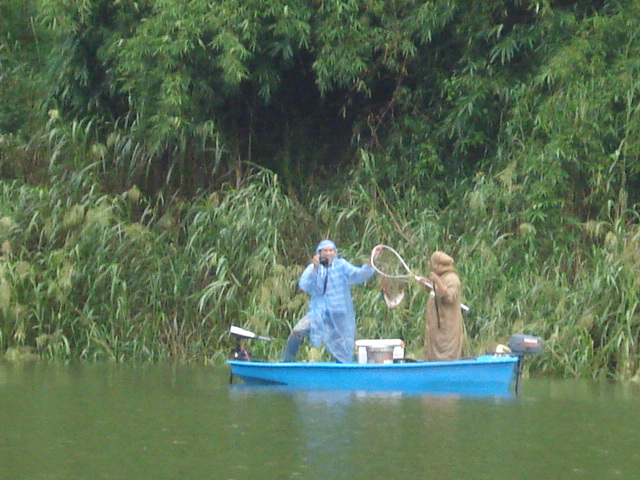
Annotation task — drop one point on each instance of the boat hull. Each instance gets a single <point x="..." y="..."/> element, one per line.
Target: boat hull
<point x="484" y="375"/>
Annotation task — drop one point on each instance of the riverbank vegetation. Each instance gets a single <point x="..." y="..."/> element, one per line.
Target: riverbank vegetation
<point x="167" y="168"/>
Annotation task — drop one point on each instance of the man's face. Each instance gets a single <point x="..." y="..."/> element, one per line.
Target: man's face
<point x="329" y="253"/>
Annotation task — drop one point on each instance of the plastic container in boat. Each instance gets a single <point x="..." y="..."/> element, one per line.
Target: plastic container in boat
<point x="380" y="350"/>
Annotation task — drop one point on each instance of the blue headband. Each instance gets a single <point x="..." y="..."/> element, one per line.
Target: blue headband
<point x="326" y="244"/>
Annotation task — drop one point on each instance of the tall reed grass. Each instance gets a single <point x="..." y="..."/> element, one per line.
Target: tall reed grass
<point x="118" y="276"/>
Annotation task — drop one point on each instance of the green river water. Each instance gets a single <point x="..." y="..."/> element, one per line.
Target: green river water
<point x="106" y="421"/>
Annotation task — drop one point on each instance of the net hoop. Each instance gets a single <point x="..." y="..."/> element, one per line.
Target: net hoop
<point x="397" y="255"/>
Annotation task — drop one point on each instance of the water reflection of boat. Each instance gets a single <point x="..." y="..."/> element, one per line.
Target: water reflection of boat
<point x="494" y="374"/>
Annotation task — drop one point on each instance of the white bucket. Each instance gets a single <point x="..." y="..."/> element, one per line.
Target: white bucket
<point x="380" y="351"/>
<point x="379" y="354"/>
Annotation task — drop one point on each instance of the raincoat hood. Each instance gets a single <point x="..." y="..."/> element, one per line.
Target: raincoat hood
<point x="326" y="244"/>
<point x="442" y="263"/>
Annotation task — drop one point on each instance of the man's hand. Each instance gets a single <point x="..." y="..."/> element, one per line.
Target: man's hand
<point x="375" y="253"/>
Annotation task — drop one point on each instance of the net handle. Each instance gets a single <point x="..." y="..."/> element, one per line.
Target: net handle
<point x="429" y="285"/>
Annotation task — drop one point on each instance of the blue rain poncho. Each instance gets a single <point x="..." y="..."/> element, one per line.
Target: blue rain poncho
<point x="331" y="314"/>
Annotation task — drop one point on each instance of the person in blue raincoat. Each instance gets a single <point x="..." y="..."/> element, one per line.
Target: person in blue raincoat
<point x="331" y="317"/>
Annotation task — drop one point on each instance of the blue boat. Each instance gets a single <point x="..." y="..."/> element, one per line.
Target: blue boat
<point x="486" y="375"/>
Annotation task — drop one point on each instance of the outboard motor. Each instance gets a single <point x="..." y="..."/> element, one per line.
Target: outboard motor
<point x="521" y="345"/>
<point x="239" y="352"/>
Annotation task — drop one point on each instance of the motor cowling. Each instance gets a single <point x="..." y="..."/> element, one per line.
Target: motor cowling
<point x="521" y="344"/>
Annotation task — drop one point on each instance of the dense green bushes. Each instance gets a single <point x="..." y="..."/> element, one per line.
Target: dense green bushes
<point x="97" y="276"/>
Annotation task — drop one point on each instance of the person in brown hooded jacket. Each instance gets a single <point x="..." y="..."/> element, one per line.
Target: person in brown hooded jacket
<point x="444" y="332"/>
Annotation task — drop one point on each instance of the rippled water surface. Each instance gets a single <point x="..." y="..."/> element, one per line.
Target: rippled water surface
<point x="183" y="422"/>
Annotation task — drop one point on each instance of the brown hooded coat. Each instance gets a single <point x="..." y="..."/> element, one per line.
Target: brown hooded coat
<point x="444" y="342"/>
